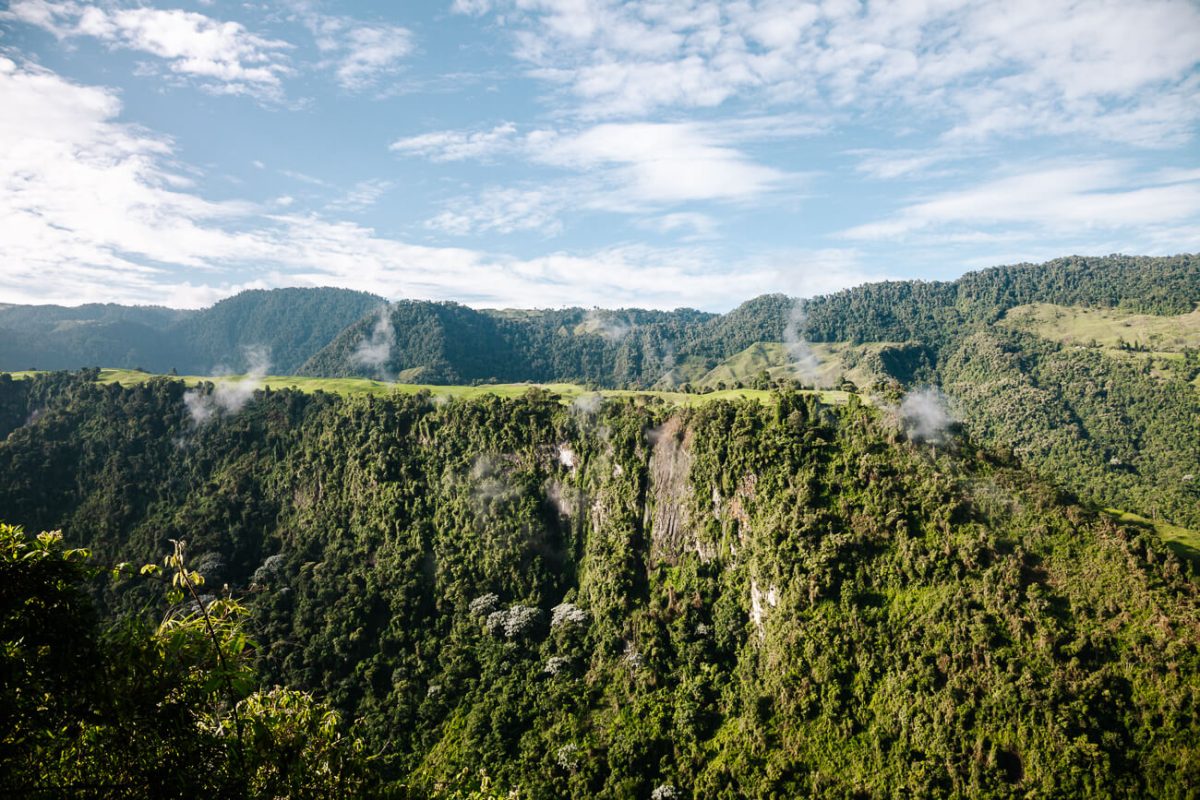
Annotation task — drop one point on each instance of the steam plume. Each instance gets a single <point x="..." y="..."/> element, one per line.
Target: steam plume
<point x="803" y="358"/>
<point x="587" y="404"/>
<point x="924" y="415"/>
<point x="229" y="396"/>
<point x="375" y="350"/>
<point x="613" y="329"/>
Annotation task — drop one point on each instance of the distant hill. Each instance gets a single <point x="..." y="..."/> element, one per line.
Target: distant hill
<point x="451" y="343"/>
<point x="290" y="324"/>
<point x="934" y="312"/>
<point x="338" y="332"/>
<point x="1112" y="415"/>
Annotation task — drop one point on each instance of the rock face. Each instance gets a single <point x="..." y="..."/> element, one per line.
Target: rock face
<point x="668" y="511"/>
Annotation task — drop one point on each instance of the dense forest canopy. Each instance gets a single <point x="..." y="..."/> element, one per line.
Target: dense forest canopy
<point x="625" y="599"/>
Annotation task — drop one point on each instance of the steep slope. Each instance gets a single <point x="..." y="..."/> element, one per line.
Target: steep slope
<point x="737" y="600"/>
<point x="429" y="342"/>
<point x="1103" y="427"/>
<point x="1111" y="424"/>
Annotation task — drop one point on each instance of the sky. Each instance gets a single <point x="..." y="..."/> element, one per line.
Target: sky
<point x="537" y="153"/>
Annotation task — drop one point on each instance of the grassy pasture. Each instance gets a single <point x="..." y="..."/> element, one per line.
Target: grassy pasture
<point x="1108" y="327"/>
<point x="569" y="392"/>
<point x="833" y="361"/>
<point x="1184" y="541"/>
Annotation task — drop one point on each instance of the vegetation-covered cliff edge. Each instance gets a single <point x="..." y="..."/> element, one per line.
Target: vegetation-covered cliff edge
<point x="623" y="598"/>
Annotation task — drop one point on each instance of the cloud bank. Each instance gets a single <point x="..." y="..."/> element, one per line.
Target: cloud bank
<point x="95" y="209"/>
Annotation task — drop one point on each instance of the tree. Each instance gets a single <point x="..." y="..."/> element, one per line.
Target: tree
<point x="139" y="710"/>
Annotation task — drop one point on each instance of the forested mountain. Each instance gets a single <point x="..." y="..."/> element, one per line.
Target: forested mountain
<point x="282" y="327"/>
<point x="56" y="337"/>
<point x="934" y="312"/>
<point x="1107" y="428"/>
<point x="1114" y="424"/>
<point x="620" y="598"/>
<point x="450" y="343"/>
<point x="626" y="599"/>
<point x="335" y="333"/>
<point x="287" y="325"/>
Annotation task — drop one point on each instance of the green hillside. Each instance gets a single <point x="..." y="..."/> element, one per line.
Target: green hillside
<point x="834" y="362"/>
<point x="520" y="597"/>
<point x="1010" y="346"/>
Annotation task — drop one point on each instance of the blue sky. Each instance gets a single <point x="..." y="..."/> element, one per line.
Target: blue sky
<point x="580" y="152"/>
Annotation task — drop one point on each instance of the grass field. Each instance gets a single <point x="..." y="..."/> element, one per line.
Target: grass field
<point x="1107" y="327"/>
<point x="1164" y="338"/>
<point x="569" y="392"/>
<point x="1183" y="541"/>
<point x="833" y="360"/>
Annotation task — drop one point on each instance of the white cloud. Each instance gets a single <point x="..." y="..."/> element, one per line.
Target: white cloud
<point x="458" y="145"/>
<point x="1063" y="199"/>
<point x="658" y="162"/>
<point x="221" y="56"/>
<point x="622" y="167"/>
<point x="361" y="54"/>
<point x="617" y="167"/>
<point x="1123" y="71"/>
<point x="94" y="209"/>
<point x="808" y="273"/>
<point x="690" y="225"/>
<point x="362" y="195"/>
<point x="81" y="194"/>
<point x="503" y="210"/>
<point x="304" y="177"/>
<point x="891" y="164"/>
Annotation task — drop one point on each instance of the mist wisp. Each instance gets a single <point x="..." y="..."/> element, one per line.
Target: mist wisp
<point x="799" y="351"/>
<point x="587" y="404"/>
<point x="229" y="396"/>
<point x="374" y="350"/>
<point x="612" y="328"/>
<point x="925" y="416"/>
